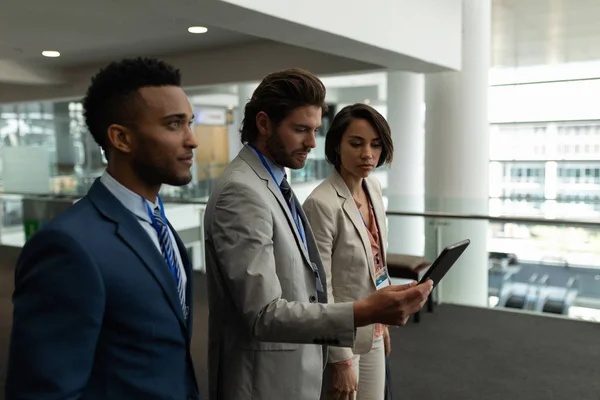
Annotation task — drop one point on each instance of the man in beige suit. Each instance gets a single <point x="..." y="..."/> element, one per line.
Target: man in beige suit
<point x="269" y="321"/>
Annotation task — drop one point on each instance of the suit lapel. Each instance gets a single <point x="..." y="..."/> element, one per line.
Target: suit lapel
<point x="130" y="231"/>
<point x="292" y="223"/>
<point x="313" y="254"/>
<point x="141" y="244"/>
<point x="353" y="214"/>
<point x="248" y="155"/>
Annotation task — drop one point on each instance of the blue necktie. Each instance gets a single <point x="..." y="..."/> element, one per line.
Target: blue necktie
<point x="169" y="254"/>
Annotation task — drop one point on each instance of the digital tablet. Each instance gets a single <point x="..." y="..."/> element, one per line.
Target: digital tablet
<point x="445" y="261"/>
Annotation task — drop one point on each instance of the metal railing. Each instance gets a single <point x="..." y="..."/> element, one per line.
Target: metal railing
<point x="581" y="282"/>
<point x="499" y="219"/>
<point x="424" y="214"/>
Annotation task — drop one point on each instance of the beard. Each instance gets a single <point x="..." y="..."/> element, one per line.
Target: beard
<point x="280" y="156"/>
<point x="156" y="171"/>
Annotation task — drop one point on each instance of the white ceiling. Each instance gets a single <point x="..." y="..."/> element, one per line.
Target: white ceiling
<point x="539" y="32"/>
<point x="524" y="32"/>
<point x="97" y="31"/>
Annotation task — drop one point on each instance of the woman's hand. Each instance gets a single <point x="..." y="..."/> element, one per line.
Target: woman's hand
<point x="345" y="382"/>
<point x="386" y="342"/>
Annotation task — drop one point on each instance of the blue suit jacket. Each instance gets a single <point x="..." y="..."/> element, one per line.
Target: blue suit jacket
<point x="96" y="311"/>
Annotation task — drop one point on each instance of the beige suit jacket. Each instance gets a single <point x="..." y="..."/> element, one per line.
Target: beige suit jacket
<point x="267" y="321"/>
<point x="345" y="249"/>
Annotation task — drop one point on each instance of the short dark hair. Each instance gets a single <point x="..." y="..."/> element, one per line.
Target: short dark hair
<point x="278" y="95"/>
<point x="340" y="125"/>
<point x="111" y="97"/>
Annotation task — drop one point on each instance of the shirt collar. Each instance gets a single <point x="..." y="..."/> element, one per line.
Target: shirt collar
<point x="130" y="200"/>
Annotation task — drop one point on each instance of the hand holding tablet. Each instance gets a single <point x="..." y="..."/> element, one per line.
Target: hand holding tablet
<point x="393" y="305"/>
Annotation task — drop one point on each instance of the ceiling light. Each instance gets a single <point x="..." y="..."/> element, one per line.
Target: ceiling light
<point x="50" y="53"/>
<point x="197" y="29"/>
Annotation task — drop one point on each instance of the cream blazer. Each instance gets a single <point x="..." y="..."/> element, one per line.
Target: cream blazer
<point x="345" y="249"/>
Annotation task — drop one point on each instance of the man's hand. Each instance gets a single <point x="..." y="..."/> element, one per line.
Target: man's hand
<point x="392" y="305"/>
<point x="345" y="382"/>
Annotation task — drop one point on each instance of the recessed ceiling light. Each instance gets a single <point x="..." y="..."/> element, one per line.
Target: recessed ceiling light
<point x="50" y="53"/>
<point x="197" y="29"/>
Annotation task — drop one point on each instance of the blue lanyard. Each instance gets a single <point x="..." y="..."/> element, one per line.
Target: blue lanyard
<point x="157" y="229"/>
<point x="370" y="205"/>
<point x="364" y="222"/>
<point x="296" y="220"/>
<point x="363" y="219"/>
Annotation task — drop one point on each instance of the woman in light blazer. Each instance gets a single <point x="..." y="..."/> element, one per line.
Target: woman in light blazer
<point x="347" y="217"/>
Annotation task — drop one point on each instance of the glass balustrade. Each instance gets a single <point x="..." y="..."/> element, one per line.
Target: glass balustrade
<point x="539" y="265"/>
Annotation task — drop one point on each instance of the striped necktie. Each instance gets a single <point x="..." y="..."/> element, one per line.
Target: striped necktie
<point x="169" y="253"/>
<point x="286" y="190"/>
<point x="288" y="195"/>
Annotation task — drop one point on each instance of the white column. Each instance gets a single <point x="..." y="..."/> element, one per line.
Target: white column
<point x="405" y="114"/>
<point x="245" y="92"/>
<point x="65" y="150"/>
<point x="457" y="158"/>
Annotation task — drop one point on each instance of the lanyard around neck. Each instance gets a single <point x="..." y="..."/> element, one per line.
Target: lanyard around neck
<point x="296" y="219"/>
<point x="266" y="164"/>
<point x="377" y="259"/>
<point x="370" y="205"/>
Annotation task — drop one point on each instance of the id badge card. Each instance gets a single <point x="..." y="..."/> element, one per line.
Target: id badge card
<point x="382" y="279"/>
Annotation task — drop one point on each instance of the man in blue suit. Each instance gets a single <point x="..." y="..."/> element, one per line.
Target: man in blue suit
<point x="103" y="296"/>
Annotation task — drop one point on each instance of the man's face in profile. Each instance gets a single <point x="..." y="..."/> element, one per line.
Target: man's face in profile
<point x="164" y="140"/>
